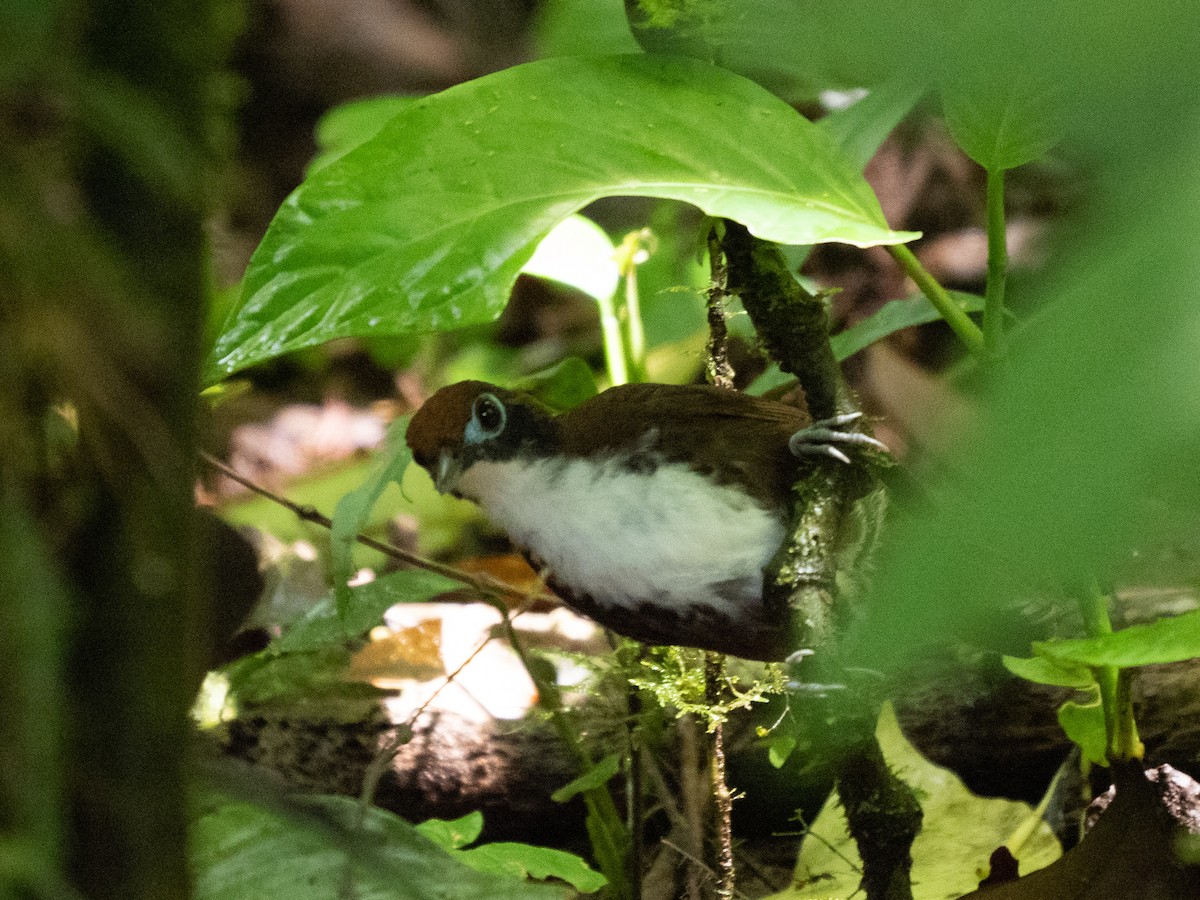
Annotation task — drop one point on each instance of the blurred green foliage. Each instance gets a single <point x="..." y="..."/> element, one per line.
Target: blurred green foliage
<point x="323" y="847"/>
<point x="421" y="213"/>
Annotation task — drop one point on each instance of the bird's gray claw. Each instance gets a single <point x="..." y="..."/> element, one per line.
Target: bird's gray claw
<point x="799" y="656"/>
<point x="821" y="438"/>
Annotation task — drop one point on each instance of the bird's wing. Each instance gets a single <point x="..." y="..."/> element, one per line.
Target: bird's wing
<point x="664" y="402"/>
<point x="733" y="437"/>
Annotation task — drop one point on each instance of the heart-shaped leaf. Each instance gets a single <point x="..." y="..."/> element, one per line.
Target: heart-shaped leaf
<point x="1005" y="120"/>
<point x="426" y="225"/>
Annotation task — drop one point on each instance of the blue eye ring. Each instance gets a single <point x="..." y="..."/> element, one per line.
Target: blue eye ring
<point x="488" y="418"/>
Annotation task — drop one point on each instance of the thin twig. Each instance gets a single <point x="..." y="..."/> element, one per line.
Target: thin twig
<point x="483" y="583"/>
<point x="714" y="677"/>
<point x="635" y="788"/>
<point x="699" y="864"/>
<point x="403" y="733"/>
<point x="745" y="859"/>
<point x="720" y="373"/>
<point x="608" y="843"/>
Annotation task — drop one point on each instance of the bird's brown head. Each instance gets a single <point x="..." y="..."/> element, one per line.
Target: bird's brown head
<point x="473" y="420"/>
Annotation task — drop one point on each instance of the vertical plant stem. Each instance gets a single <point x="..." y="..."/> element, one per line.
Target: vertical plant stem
<point x="634" y="251"/>
<point x="718" y="370"/>
<point x="714" y="682"/>
<point x="997" y="264"/>
<point x="614" y="343"/>
<point x="635" y="795"/>
<point x="719" y="373"/>
<point x="610" y="840"/>
<point x="967" y="331"/>
<point x="1129" y="743"/>
<point x="1120" y="726"/>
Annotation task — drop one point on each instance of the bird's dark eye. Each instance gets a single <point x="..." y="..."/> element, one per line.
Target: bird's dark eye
<point x="488" y="412"/>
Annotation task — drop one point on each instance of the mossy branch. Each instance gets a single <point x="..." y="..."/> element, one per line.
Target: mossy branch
<point x="828" y="524"/>
<point x="792" y="323"/>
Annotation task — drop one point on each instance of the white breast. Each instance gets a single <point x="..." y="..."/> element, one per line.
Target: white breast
<point x="624" y="537"/>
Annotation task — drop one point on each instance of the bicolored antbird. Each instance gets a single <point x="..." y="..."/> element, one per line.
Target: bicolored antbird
<point x="654" y="507"/>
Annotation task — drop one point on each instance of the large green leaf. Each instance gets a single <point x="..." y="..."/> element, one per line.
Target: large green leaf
<point x="426" y="225"/>
<point x="1004" y="121"/>
<point x="993" y="61"/>
<point x="526" y="861"/>
<point x="1094" y="412"/>
<point x="245" y="852"/>
<point x="346" y="126"/>
<point x="1166" y="640"/>
<point x="959" y="833"/>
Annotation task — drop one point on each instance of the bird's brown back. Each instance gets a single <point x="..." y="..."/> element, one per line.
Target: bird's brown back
<point x="733" y="437"/>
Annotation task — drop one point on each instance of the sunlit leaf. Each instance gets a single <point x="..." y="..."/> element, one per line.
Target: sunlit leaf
<point x="1040" y="670"/>
<point x="1166" y="640"/>
<point x="426" y="225"/>
<point x="403" y="653"/>
<point x="453" y="834"/>
<point x="525" y="861"/>
<point x="579" y="253"/>
<point x="959" y="833"/>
